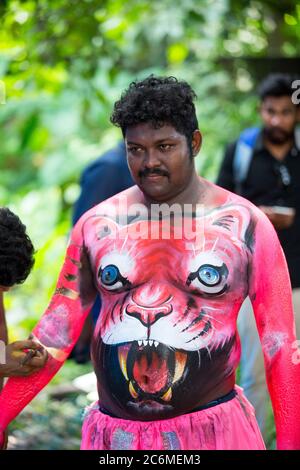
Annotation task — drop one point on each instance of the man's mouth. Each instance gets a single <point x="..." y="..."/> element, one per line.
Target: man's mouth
<point x="154" y="179"/>
<point x="151" y="369"/>
<point x="155" y="176"/>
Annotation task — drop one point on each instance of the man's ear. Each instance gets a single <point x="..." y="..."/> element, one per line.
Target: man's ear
<point x="196" y="142"/>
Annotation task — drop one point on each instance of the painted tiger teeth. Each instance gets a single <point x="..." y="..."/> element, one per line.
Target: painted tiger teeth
<point x="168" y="395"/>
<point x="180" y="362"/>
<point x="132" y="391"/>
<point x="123" y="353"/>
<point x="146" y="342"/>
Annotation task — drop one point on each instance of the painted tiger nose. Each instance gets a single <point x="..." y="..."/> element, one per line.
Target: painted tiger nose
<point x="151" y="295"/>
<point x="149" y="304"/>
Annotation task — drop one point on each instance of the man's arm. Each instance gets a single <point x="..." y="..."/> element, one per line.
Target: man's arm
<point x="104" y="178"/>
<point x="270" y="293"/>
<point x="58" y="329"/>
<point x="98" y="183"/>
<point x="225" y="177"/>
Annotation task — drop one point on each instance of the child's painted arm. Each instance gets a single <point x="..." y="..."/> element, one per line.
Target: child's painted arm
<point x="270" y="292"/>
<point x="57" y="330"/>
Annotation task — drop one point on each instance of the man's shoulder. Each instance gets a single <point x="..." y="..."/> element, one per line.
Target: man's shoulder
<point x="232" y="199"/>
<point x="115" y="205"/>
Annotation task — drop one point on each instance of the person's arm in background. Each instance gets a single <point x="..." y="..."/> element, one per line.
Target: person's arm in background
<point x="22" y="358"/>
<point x="3" y="328"/>
<point x="57" y="330"/>
<point x="225" y="177"/>
<point x="270" y="293"/>
<point x="13" y="355"/>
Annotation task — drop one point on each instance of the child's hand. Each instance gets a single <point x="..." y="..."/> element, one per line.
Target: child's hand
<point x="23" y="358"/>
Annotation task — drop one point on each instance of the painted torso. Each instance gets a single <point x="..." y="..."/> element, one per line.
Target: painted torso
<point x="165" y="341"/>
<point x="166" y="337"/>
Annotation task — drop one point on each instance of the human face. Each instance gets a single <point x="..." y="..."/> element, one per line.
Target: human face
<point x="279" y="116"/>
<point x="159" y="160"/>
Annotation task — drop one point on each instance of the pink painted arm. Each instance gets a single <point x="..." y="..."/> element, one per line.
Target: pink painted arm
<point x="270" y="292"/>
<point x="57" y="330"/>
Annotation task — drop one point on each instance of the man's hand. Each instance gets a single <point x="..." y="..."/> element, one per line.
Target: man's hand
<point x="23" y="358"/>
<point x="280" y="221"/>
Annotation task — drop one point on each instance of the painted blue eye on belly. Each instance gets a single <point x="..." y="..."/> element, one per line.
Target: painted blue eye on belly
<point x="209" y="275"/>
<point x="111" y="278"/>
<point x="109" y="275"/>
<point x="209" y="279"/>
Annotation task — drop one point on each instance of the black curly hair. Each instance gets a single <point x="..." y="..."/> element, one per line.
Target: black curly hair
<point x="159" y="101"/>
<point x="16" y="249"/>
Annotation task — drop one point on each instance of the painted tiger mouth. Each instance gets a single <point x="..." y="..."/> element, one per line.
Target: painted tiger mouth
<point x="151" y="369"/>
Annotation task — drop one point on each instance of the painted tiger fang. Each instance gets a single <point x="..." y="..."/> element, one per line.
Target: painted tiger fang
<point x="132" y="391"/>
<point x="168" y="395"/>
<point x="180" y="362"/>
<point x="122" y="355"/>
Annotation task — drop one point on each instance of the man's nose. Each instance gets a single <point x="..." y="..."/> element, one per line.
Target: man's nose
<point x="152" y="159"/>
<point x="276" y="120"/>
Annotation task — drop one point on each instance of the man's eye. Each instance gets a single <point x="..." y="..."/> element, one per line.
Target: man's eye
<point x="166" y="147"/>
<point x="111" y="278"/>
<point x="134" y="149"/>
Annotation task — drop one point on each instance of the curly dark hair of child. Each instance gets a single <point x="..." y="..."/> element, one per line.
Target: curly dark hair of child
<point x="16" y="249"/>
<point x="159" y="101"/>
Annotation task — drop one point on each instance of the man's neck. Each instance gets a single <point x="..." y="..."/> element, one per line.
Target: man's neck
<point x="279" y="151"/>
<point x="192" y="194"/>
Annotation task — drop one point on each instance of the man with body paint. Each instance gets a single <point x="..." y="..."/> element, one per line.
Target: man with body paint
<point x="165" y="347"/>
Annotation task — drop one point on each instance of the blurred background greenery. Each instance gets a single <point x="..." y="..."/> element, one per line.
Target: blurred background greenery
<point x="64" y="63"/>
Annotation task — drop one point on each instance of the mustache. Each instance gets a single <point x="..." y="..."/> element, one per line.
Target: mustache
<point x="278" y="135"/>
<point x="156" y="171"/>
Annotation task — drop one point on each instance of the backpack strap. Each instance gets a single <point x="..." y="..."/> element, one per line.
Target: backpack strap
<point x="243" y="156"/>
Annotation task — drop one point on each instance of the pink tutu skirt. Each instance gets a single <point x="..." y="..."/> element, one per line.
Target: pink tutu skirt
<point x="227" y="426"/>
